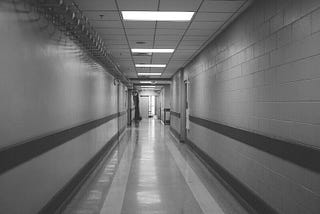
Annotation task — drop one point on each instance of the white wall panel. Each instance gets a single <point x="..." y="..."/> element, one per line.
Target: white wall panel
<point x="47" y="86"/>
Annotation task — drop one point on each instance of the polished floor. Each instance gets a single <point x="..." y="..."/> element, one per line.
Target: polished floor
<point x="149" y="172"/>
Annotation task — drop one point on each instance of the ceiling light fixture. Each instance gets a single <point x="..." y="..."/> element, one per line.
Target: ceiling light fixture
<point x="147" y="86"/>
<point x="150" y="65"/>
<point x="146" y="82"/>
<point x="149" y="74"/>
<point x="174" y="16"/>
<point x="151" y="50"/>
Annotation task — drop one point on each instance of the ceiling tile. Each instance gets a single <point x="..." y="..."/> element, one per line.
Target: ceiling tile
<point x="201" y="16"/>
<point x="189" y="47"/>
<point x="96" y="4"/>
<point x="160" y="61"/>
<point x="182" y="56"/>
<point x="169" y="37"/>
<point x="198" y="32"/>
<point x="166" y="43"/>
<point x="121" y="52"/>
<point x="142" y="59"/>
<point x="106" y="24"/>
<point x="173" y="25"/>
<point x="147" y="44"/>
<point x="106" y="15"/>
<point x="138" y="4"/>
<point x="170" y="31"/>
<point x="195" y="42"/>
<point x="142" y="32"/>
<point x="157" y="69"/>
<point x="164" y="46"/>
<point x="176" y="61"/>
<point x="184" y="51"/>
<point x="220" y="6"/>
<point x="161" y="57"/>
<point x="205" y="25"/>
<point x="179" y="5"/>
<point x="138" y="25"/>
<point x="141" y="38"/>
<point x="194" y="37"/>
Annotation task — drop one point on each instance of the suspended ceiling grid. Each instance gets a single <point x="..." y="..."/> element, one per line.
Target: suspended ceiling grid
<point x="185" y="37"/>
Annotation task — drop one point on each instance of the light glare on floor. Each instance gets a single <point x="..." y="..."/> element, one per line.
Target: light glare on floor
<point x="157" y="16"/>
<point x="150" y="65"/>
<point x="149" y="74"/>
<point x="151" y="50"/>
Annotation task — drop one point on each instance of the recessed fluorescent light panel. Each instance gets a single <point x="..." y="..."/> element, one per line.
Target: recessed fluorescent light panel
<point x="147" y="86"/>
<point x="157" y="16"/>
<point x="149" y="74"/>
<point x="146" y="82"/>
<point x="151" y="50"/>
<point x="150" y="65"/>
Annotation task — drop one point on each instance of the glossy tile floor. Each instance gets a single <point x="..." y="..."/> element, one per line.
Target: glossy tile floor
<point x="149" y="172"/>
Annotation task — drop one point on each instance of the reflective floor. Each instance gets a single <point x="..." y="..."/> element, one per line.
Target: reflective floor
<point x="149" y="172"/>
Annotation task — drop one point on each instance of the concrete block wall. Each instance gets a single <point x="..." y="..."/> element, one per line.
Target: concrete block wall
<point x="261" y="74"/>
<point x="47" y="85"/>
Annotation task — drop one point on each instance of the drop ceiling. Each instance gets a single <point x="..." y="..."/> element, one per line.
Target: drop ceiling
<point x="187" y="38"/>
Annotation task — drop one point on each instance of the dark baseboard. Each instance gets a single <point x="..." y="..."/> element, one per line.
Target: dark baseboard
<point x="250" y="200"/>
<point x="63" y="197"/>
<point x="175" y="133"/>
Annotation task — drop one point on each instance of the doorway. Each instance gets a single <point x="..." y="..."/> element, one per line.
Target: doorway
<point x="147" y="106"/>
<point x="184" y="119"/>
<point x="144" y="106"/>
<point x="152" y="106"/>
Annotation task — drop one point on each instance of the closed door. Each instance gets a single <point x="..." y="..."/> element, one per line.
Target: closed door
<point x="144" y="106"/>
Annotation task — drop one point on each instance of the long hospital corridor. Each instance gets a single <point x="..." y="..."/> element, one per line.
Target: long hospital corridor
<point x="159" y="107"/>
<point x="153" y="174"/>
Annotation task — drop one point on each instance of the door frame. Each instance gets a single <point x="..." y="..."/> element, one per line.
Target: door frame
<point x="183" y="106"/>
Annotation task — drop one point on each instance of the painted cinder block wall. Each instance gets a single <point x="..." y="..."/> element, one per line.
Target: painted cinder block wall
<point x="47" y="85"/>
<point x="261" y="74"/>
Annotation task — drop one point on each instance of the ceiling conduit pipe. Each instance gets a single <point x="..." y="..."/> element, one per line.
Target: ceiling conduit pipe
<point x="70" y="20"/>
